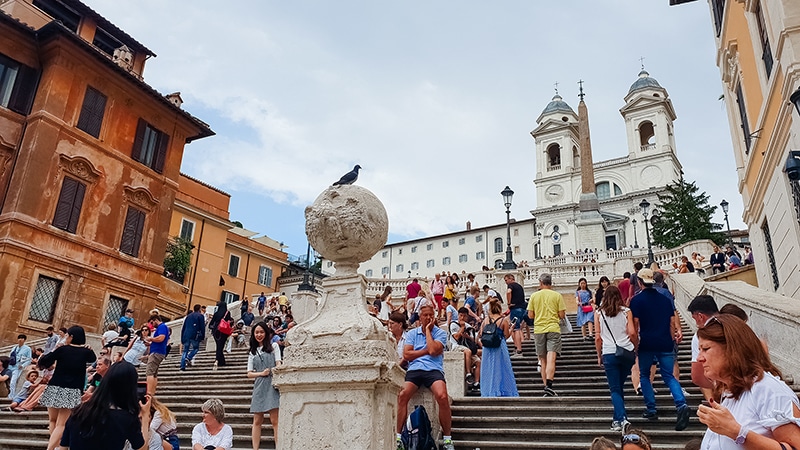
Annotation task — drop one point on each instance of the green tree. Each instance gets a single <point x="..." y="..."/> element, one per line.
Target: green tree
<point x="684" y="215"/>
<point x="178" y="258"/>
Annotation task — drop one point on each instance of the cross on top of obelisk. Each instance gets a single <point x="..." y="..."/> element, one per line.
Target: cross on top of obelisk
<point x="581" y="94"/>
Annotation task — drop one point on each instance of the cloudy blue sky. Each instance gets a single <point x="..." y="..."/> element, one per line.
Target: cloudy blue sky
<point x="435" y="100"/>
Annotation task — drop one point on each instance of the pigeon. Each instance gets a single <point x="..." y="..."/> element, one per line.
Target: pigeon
<point x="349" y="177"/>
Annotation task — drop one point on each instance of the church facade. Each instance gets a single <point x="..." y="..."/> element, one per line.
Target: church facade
<point x="620" y="184"/>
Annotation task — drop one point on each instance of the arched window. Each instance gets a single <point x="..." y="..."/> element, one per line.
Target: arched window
<point x="576" y="157"/>
<point x="647" y="135"/>
<point x="603" y="190"/>
<point x="498" y="264"/>
<point x="553" y="157"/>
<point x="617" y="190"/>
<point x="498" y="245"/>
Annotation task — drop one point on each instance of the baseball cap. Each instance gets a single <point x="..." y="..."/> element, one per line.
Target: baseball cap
<point x="646" y="275"/>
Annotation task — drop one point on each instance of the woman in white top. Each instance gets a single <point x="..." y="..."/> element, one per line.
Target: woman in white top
<point x="212" y="432"/>
<point x="398" y="326"/>
<point x="386" y="305"/>
<point x="138" y="347"/>
<point x="751" y="407"/>
<point x="615" y="323"/>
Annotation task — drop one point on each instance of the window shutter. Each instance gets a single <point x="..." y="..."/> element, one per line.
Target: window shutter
<point x="92" y="111"/>
<point x="65" y="202"/>
<point x="132" y="232"/>
<point x="24" y="91"/>
<point x="80" y="190"/>
<point x="161" y="152"/>
<point x="138" y="140"/>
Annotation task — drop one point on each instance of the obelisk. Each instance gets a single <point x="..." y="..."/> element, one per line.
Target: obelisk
<point x="590" y="225"/>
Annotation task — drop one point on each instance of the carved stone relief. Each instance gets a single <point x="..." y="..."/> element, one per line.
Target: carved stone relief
<point x="79" y="167"/>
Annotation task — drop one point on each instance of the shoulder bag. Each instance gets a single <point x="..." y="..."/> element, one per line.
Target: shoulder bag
<point x="224" y="326"/>
<point x="621" y="352"/>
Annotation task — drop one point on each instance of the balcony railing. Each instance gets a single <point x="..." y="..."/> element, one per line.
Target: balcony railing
<point x="554" y="167"/>
<point x="648" y="147"/>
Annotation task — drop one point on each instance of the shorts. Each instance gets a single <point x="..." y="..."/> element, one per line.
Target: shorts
<point x="153" y="362"/>
<point x="438" y="298"/>
<point x="461" y="348"/>
<point x="519" y="314"/>
<point x="424" y="377"/>
<point x="547" y="342"/>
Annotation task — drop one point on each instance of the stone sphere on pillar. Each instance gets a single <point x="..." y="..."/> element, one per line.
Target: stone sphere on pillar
<point x="347" y="225"/>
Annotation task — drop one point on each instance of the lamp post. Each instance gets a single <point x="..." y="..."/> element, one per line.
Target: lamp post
<point x="539" y="245"/>
<point x="724" y="206"/>
<point x="635" y="239"/>
<point x="305" y="285"/>
<point x="507" y="194"/>
<point x="645" y="205"/>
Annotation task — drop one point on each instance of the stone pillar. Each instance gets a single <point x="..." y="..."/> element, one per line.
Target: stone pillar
<point x="454" y="374"/>
<point x="304" y="305"/>
<point x="340" y="377"/>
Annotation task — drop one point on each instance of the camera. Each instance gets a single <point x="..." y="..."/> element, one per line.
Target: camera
<point x="792" y="168"/>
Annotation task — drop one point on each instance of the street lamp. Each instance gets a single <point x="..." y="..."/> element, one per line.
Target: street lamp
<point x="507" y="194"/>
<point x="305" y="285"/>
<point x="635" y="240"/>
<point x="724" y="205"/>
<point x="539" y="245"/>
<point x="645" y="205"/>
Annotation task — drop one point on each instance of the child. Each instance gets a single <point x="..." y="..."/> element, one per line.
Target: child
<point x="28" y="386"/>
<point x="117" y="357"/>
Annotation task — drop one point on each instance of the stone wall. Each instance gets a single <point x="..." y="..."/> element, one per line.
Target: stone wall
<point x="775" y="318"/>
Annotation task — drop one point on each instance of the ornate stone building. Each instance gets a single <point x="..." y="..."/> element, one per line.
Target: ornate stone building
<point x="90" y="169"/>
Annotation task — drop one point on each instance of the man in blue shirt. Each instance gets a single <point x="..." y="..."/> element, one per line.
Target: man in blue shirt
<point x="192" y="333"/>
<point x="158" y="351"/>
<point x="21" y="354"/>
<point x="653" y="318"/>
<point x="424" y="350"/>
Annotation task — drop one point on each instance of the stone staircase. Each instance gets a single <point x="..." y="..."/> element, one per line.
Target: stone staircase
<point x="581" y="412"/>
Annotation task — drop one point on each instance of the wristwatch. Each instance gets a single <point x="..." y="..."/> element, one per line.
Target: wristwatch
<point x="742" y="435"/>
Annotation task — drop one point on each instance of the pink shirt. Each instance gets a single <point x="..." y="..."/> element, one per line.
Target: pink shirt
<point x="437" y="287"/>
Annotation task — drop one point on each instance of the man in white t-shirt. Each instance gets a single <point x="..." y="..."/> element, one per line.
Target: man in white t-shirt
<point x="111" y="334"/>
<point x="463" y="339"/>
<point x="703" y="308"/>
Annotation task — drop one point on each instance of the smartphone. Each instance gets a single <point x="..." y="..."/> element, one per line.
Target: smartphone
<point x="514" y="321"/>
<point x="141" y="391"/>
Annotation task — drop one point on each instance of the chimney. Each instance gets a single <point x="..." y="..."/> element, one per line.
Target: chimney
<point x="123" y="56"/>
<point x="175" y="99"/>
<point x="469" y="225"/>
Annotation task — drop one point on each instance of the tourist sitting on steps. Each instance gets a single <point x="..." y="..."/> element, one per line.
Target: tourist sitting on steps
<point x="212" y="433"/>
<point x="424" y="350"/>
<point x="462" y="338"/>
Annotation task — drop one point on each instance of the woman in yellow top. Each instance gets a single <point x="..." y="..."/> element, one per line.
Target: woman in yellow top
<point x="450" y="291"/>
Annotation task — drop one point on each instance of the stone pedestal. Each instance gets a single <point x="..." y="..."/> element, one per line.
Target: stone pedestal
<point x="340" y="377"/>
<point x="424" y="397"/>
<point x="454" y="374"/>
<point x="304" y="305"/>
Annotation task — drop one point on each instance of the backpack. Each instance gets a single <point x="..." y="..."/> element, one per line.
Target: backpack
<point x="417" y="433"/>
<point x="489" y="337"/>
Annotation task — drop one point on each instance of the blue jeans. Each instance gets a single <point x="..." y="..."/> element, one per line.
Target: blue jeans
<point x="617" y="371"/>
<point x="189" y="350"/>
<point x="666" y="362"/>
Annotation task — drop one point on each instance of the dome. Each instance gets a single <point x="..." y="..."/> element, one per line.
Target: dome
<point x="644" y="82"/>
<point x="557" y="105"/>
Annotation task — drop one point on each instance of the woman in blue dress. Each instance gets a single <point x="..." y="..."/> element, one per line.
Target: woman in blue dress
<point x="497" y="377"/>
<point x="583" y="297"/>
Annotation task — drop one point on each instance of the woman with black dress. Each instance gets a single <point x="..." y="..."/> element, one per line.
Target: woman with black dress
<point x="601" y="289"/>
<point x="219" y="338"/>
<point x="63" y="392"/>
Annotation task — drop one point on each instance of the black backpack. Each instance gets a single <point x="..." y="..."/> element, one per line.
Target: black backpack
<point x="417" y="434"/>
<point x="489" y="337"/>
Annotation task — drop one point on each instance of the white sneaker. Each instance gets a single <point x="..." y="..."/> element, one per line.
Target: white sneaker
<point x="685" y="394"/>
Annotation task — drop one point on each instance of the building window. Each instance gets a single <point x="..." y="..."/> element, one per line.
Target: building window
<point x="516" y="231"/>
<point x="92" y="111"/>
<point x="187" y="230"/>
<point x="414" y="249"/>
<point x="385" y="254"/>
<point x="105" y="42"/>
<point x="399" y="251"/>
<point x="445" y="244"/>
<point x="603" y="190"/>
<point x="718" y="7"/>
<point x="773" y="267"/>
<point x="60" y="12"/>
<point x="233" y="266"/>
<point x="617" y="190"/>
<point x="330" y="263"/>
<point x="462" y="258"/>
<point x="17" y="85"/>
<point x="368" y="273"/>
<point x="430" y="263"/>
<point x="480" y="256"/>
<point x="743" y="118"/>
<point x="766" y="51"/>
<point x="516" y="249"/>
<point x="556" y="249"/>
<point x="429" y="247"/>
<point x="229" y="297"/>
<point x="498" y="264"/>
<point x="462" y="241"/>
<point x="45" y="297"/>
<point x="553" y="157"/>
<point x="479" y="238"/>
<point x="70" y="202"/>
<point x="385" y="270"/>
<point x="116" y="309"/>
<point x="265" y="276"/>
<point x="446" y="261"/>
<point x="498" y="245"/>
<point x="415" y="266"/>
<point x="150" y="146"/>
<point x="399" y="268"/>
<point x="132" y="232"/>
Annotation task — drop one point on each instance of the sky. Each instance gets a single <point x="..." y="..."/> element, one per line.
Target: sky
<point x="435" y="100"/>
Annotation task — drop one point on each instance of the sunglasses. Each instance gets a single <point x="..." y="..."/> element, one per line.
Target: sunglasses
<point x="631" y="439"/>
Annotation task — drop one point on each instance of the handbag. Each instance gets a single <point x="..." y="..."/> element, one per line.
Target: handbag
<point x="565" y="325"/>
<point x="12" y="359"/>
<point x="621" y="352"/>
<point x="224" y="327"/>
<point x="587" y="308"/>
